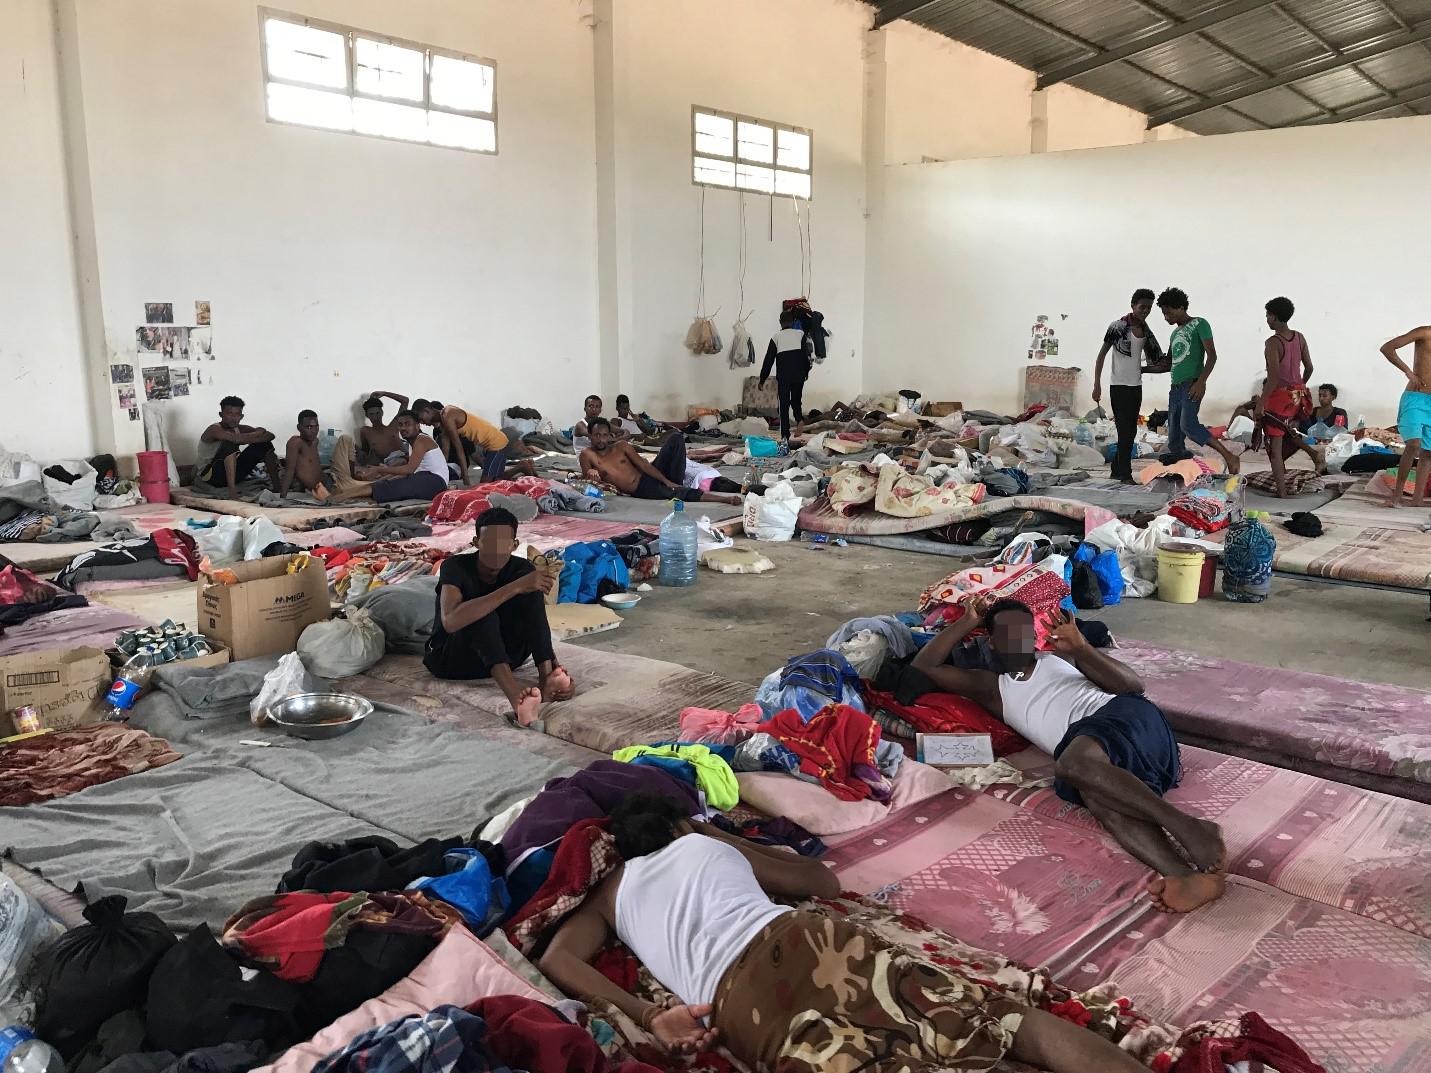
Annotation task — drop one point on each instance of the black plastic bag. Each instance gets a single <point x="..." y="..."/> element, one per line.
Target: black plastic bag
<point x="96" y="970"/>
<point x="1086" y="594"/>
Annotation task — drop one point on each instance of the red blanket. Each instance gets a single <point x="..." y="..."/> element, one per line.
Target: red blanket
<point x="464" y="504"/>
<point x="837" y="746"/>
<point x="947" y="713"/>
<point x="587" y="854"/>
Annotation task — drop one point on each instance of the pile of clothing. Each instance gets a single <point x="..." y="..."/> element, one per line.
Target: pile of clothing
<point x="1203" y="509"/>
<point x="29" y="515"/>
<point x="163" y="553"/>
<point x="550" y="496"/>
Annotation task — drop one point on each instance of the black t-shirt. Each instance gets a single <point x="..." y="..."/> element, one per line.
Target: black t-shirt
<point x="460" y="571"/>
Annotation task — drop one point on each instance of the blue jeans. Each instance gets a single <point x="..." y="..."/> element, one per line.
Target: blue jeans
<point x="1183" y="423"/>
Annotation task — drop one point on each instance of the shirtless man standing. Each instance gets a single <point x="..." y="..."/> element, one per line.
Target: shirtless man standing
<point x="380" y="443"/>
<point x="1413" y="417"/>
<point x="300" y="461"/>
<point x="618" y="463"/>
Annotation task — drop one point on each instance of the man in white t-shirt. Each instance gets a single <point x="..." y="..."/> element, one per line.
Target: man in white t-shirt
<point x="1114" y="750"/>
<point x="632" y="424"/>
<point x="1135" y="350"/>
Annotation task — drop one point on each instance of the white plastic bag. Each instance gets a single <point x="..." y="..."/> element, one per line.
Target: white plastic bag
<point x="342" y="647"/>
<point x="708" y="538"/>
<point x="282" y="682"/>
<point x="222" y="542"/>
<point x="16" y="467"/>
<point x="80" y="494"/>
<point x="773" y="515"/>
<point x="742" y="350"/>
<point x="259" y="533"/>
<point x="1342" y="447"/>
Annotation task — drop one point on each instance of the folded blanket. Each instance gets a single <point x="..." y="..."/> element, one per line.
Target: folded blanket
<point x="223" y="691"/>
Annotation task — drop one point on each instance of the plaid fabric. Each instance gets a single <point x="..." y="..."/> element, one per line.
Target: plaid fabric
<point x="586" y="856"/>
<point x="445" y="1040"/>
<point x="825" y="671"/>
<point x="1298" y="482"/>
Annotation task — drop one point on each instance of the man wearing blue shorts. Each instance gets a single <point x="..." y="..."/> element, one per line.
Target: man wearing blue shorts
<point x="1114" y="750"/>
<point x="1413" y="416"/>
<point x="1193" y="355"/>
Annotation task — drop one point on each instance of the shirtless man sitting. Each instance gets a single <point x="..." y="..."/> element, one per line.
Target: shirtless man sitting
<point x="1413" y="417"/>
<point x="1115" y="753"/>
<point x="381" y="444"/>
<point x="619" y="464"/>
<point x="301" y="465"/>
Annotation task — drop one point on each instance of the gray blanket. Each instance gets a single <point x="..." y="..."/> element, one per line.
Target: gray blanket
<point x="222" y="691"/>
<point x="195" y="839"/>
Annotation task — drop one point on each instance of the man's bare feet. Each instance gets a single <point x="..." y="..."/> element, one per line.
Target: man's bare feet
<point x="558" y="685"/>
<point x="1202" y="841"/>
<point x="1393" y="499"/>
<point x="1183" y="894"/>
<point x="320" y="492"/>
<point x="528" y="707"/>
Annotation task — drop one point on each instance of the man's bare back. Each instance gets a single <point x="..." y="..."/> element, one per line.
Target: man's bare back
<point x="614" y="465"/>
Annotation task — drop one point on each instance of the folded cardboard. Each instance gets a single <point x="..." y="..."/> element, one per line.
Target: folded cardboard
<point x="265" y="610"/>
<point x="65" y="687"/>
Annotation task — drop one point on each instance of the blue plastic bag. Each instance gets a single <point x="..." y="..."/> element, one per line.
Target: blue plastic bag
<point x="470" y="889"/>
<point x="761" y="447"/>
<point x="1110" y="577"/>
<point x="585" y="566"/>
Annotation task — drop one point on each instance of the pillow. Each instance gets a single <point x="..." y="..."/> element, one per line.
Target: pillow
<point x="461" y="970"/>
<point x="821" y="813"/>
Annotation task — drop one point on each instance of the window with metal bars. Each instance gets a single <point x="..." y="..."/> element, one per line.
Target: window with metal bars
<point x="319" y="74"/>
<point x="739" y="152"/>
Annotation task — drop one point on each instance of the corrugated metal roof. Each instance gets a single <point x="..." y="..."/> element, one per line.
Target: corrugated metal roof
<point x="1223" y="66"/>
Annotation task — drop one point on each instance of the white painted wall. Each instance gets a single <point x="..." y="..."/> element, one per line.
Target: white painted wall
<point x="1079" y="120"/>
<point x="798" y="62"/>
<point x="339" y="264"/>
<point x="43" y="401"/>
<point x="1338" y="218"/>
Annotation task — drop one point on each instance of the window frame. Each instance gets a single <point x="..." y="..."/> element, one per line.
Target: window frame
<point x="735" y="159"/>
<point x="350" y="34"/>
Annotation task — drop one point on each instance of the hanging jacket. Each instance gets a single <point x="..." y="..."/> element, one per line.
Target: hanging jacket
<point x="789" y="354"/>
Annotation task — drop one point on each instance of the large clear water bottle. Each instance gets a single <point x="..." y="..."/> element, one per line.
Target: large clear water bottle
<point x="132" y="679"/>
<point x="678" y="547"/>
<point x="21" y="1052"/>
<point x="1083" y="434"/>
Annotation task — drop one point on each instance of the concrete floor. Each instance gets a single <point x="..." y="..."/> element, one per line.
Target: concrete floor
<point x="743" y="626"/>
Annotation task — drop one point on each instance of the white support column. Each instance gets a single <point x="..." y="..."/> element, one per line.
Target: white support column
<point x="1038" y="121"/>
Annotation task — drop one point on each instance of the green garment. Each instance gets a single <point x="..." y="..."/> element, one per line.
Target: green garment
<point x="1188" y="349"/>
<point x="713" y="775"/>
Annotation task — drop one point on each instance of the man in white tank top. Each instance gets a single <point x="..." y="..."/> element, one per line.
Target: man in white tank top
<point x="1115" y="753"/>
<point x="799" y="990"/>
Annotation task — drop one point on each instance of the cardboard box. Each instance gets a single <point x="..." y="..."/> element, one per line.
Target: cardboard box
<point x="941" y="409"/>
<point x="265" y="611"/>
<point x="117" y="659"/>
<point x="66" y="687"/>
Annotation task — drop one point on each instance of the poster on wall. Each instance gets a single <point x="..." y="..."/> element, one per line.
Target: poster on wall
<point x="1044" y="341"/>
<point x="178" y="381"/>
<point x="121" y="374"/>
<point x="201" y="344"/>
<point x="134" y="413"/>
<point x="126" y="398"/>
<point x="178" y="345"/>
<point x="171" y="342"/>
<point x="201" y="313"/>
<point x="156" y="382"/>
<point x="158" y="312"/>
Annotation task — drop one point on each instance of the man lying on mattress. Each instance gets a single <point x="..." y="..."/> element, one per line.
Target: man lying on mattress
<point x="1115" y="753"/>
<point x="786" y="988"/>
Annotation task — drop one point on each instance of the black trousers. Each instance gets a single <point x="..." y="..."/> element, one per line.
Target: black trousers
<point x="789" y="392"/>
<point x="670" y="462"/>
<point x="250" y="456"/>
<point x="1126" y="403"/>
<point x="514" y="633"/>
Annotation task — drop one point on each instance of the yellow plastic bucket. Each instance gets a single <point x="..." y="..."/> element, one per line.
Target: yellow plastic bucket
<point x="1179" y="575"/>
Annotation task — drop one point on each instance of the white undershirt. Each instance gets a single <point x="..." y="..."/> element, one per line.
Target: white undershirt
<point x="1055" y="696"/>
<point x="1128" y="370"/>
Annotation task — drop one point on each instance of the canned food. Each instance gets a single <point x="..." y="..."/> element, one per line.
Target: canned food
<point x="26" y="719"/>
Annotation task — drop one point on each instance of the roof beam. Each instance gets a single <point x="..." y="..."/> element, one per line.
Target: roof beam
<point x="1171" y="32"/>
<point x="895" y="10"/>
<point x="1332" y="49"/>
<point x="1410" y="95"/>
<point x="1348" y="58"/>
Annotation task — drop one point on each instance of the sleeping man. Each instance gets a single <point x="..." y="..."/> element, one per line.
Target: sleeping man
<point x="1116" y="755"/>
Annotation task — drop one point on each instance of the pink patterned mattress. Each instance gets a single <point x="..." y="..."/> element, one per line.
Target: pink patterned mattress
<point x="1325" y="928"/>
<point x="1374" y="736"/>
<point x="820" y="517"/>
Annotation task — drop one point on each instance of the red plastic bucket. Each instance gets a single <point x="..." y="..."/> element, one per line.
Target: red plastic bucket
<point x="153" y="467"/>
<point x="1208" y="582"/>
<point x="155" y="491"/>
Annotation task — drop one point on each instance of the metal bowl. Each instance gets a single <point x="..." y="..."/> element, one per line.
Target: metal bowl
<point x="318" y="716"/>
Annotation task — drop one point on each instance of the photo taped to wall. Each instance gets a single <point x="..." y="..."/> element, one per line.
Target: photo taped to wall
<point x="156" y="382"/>
<point x="121" y="374"/>
<point x="158" y="312"/>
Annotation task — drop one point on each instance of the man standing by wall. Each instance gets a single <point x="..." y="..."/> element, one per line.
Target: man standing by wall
<point x="1193" y="356"/>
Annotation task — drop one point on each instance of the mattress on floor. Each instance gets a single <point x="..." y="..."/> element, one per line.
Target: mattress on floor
<point x="1369" y="554"/>
<point x="300" y="519"/>
<point x="71" y="627"/>
<point x="1323" y="928"/>
<point x="819" y="517"/>
<point x="1358" y="505"/>
<point x="1366" y="734"/>
<point x="620" y="700"/>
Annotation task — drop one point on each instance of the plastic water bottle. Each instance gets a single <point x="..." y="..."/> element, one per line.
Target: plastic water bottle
<point x="132" y="679"/>
<point x="678" y="547"/>
<point x="21" y="1052"/>
<point x="327" y="442"/>
<point x="1083" y="434"/>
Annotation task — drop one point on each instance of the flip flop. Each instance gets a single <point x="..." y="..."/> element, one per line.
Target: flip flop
<point x="538" y="725"/>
